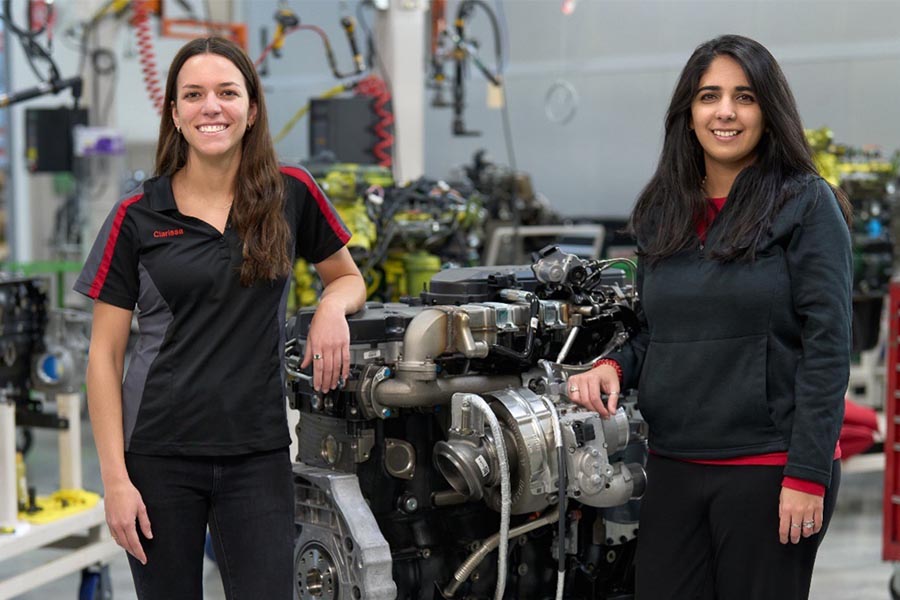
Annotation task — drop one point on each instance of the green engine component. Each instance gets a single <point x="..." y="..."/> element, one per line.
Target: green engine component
<point x="407" y="273"/>
<point x="420" y="267"/>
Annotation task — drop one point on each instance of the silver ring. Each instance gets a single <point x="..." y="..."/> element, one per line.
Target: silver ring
<point x="809" y="524"/>
<point x="317" y="357"/>
<point x="573" y="388"/>
<point x="613" y="394"/>
<point x="795" y="526"/>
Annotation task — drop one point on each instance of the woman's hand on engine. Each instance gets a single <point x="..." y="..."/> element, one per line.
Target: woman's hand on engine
<point x="328" y="346"/>
<point x="328" y="341"/>
<point x="587" y="389"/>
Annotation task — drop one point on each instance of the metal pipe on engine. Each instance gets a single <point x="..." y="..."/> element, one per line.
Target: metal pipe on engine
<point x="490" y="544"/>
<point x="428" y="335"/>
<point x="433" y="332"/>
<point x="406" y="392"/>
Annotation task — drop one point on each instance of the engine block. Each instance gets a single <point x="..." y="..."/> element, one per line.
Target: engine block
<point x="453" y="438"/>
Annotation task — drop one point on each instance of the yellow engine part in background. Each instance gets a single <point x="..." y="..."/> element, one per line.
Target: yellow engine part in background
<point x="420" y="267"/>
<point x="836" y="162"/>
<point x="401" y="274"/>
<point x="304" y="292"/>
<point x="394" y="277"/>
<point x="403" y="262"/>
<point x="826" y="161"/>
<point x="357" y="220"/>
<point x="341" y="188"/>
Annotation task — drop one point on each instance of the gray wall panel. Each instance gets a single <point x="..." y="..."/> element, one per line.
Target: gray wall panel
<point x="623" y="57"/>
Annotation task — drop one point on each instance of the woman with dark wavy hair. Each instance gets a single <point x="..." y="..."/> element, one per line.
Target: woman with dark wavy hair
<point x="197" y="435"/>
<point x="742" y="360"/>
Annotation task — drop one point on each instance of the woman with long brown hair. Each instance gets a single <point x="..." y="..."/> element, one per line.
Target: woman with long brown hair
<point x="197" y="436"/>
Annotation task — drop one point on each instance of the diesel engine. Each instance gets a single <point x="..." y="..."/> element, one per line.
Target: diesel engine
<point x="451" y="464"/>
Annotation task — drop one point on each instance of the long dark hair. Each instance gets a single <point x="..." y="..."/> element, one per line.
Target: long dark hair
<point x="668" y="207"/>
<point x="257" y="211"/>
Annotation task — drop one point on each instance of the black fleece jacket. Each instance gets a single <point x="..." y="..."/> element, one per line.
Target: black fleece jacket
<point x="743" y="358"/>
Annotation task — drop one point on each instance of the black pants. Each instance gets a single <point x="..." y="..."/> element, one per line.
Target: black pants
<point x="710" y="532"/>
<point x="248" y="503"/>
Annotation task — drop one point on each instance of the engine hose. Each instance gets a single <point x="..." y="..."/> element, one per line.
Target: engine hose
<point x="147" y="55"/>
<point x="488" y="545"/>
<point x="275" y="40"/>
<point x="561" y="498"/>
<point x="525" y="354"/>
<point x="505" y="497"/>
<point x="329" y="53"/>
<point x="375" y="88"/>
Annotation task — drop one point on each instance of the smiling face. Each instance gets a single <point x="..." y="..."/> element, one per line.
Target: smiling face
<point x="726" y="117"/>
<point x="212" y="106"/>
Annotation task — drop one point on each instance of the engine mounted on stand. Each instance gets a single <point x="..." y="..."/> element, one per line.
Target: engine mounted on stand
<point x="438" y="470"/>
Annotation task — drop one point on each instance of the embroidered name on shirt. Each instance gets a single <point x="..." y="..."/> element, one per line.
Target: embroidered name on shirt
<point x="165" y="233"/>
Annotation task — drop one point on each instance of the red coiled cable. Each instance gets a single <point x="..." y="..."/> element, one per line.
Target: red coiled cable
<point x="147" y="56"/>
<point x="375" y="88"/>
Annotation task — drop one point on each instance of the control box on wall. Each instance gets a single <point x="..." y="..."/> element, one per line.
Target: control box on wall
<point x="344" y="128"/>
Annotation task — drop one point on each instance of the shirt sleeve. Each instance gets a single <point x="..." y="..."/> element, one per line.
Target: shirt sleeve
<point x="110" y="272"/>
<point x="819" y="262"/>
<point x="319" y="231"/>
<point x="803" y="485"/>
<point x="631" y="356"/>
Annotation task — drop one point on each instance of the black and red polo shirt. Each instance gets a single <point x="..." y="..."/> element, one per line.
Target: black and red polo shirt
<point x="205" y="377"/>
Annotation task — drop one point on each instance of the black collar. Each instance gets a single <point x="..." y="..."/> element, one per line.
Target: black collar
<point x="159" y="193"/>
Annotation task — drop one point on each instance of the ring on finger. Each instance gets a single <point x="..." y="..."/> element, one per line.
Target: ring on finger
<point x="809" y="524"/>
<point x="317" y="357"/>
<point x="795" y="525"/>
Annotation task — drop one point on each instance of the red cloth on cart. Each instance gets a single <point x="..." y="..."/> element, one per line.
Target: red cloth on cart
<point x="859" y="431"/>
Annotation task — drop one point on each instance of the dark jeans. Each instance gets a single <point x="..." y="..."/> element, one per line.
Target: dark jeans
<point x="248" y="503"/>
<point x="710" y="532"/>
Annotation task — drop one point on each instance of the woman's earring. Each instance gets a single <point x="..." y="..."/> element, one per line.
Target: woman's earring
<point x="249" y="126"/>
<point x="178" y="128"/>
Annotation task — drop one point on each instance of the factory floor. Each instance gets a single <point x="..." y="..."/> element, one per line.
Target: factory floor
<point x="849" y="563"/>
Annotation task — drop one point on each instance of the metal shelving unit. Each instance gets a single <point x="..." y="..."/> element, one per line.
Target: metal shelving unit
<point x="891" y="505"/>
<point x="82" y="537"/>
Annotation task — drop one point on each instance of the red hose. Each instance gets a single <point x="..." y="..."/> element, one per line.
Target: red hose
<point x="274" y="41"/>
<point x="375" y="88"/>
<point x="147" y="56"/>
<point x="329" y="54"/>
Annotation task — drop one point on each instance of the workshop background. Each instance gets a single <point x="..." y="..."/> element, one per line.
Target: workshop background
<point x="565" y="142"/>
